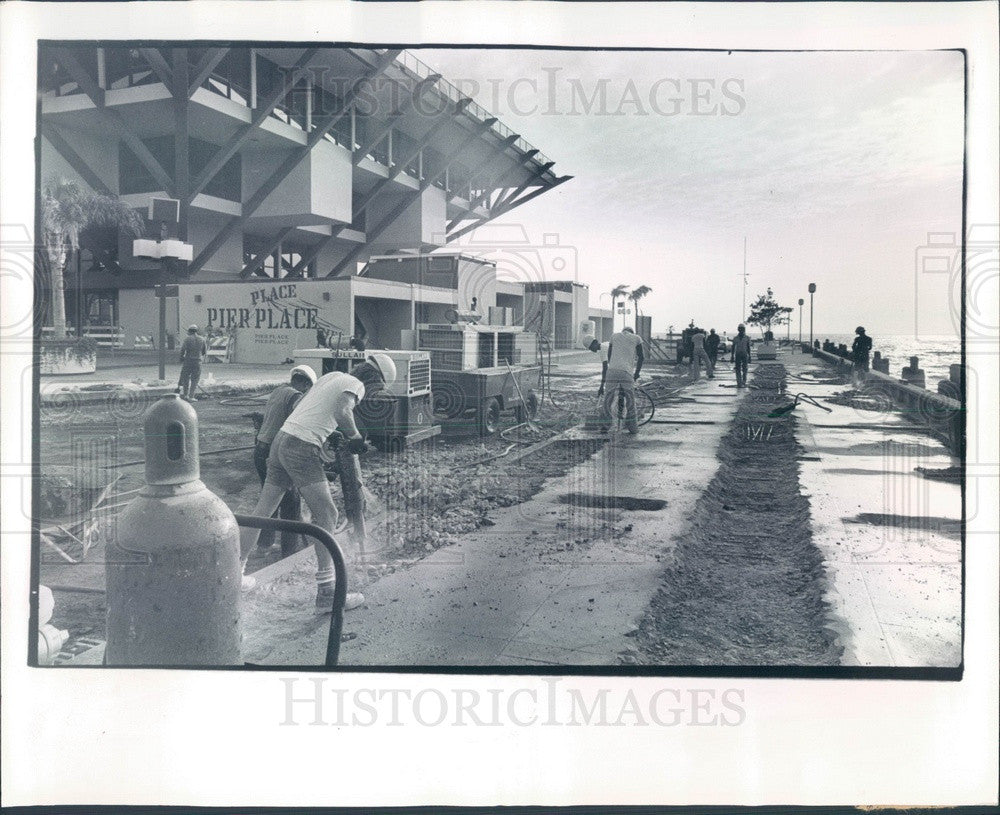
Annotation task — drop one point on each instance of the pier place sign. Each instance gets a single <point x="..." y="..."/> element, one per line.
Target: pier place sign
<point x="266" y="323"/>
<point x="270" y="308"/>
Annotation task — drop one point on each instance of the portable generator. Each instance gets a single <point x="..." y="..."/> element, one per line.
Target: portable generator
<point x="400" y="415"/>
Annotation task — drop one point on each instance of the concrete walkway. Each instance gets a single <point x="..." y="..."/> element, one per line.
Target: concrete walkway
<point x="559" y="580"/>
<point x="890" y="537"/>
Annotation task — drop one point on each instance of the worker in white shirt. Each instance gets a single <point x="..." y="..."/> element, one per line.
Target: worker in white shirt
<point x="295" y="460"/>
<point x="625" y="358"/>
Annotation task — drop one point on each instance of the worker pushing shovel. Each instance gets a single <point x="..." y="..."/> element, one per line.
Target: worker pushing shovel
<point x="296" y="460"/>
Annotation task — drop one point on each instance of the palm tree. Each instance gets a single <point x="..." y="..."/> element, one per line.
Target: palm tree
<point x="637" y="294"/>
<point x="621" y="290"/>
<point x="67" y="211"/>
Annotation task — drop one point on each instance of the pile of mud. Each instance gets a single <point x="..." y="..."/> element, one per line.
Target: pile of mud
<point x="746" y="586"/>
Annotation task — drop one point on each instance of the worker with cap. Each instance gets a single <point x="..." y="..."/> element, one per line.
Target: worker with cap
<point x="295" y="459"/>
<point x="739" y="354"/>
<point x="193" y="351"/>
<point x="279" y="407"/>
<point x="860" y="349"/>
<point x="700" y="356"/>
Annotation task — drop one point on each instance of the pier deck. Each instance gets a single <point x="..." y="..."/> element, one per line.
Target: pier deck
<point x="575" y="575"/>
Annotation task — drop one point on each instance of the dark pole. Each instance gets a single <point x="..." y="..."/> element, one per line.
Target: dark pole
<point x="161" y="293"/>
<point x="812" y="291"/>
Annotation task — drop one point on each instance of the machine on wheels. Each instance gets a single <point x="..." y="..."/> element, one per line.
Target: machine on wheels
<point x="482" y="394"/>
<point x="479" y="371"/>
<point x="401" y="415"/>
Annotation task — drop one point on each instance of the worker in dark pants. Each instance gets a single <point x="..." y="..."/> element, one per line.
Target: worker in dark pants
<point x="193" y="351"/>
<point x="860" y="349"/>
<point x="280" y="404"/>
<point x="739" y="355"/>
<point x="712" y="347"/>
<point x="699" y="355"/>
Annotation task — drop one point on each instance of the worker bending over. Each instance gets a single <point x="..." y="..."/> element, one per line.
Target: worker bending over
<point x="624" y="352"/>
<point x="295" y="459"/>
<point x="279" y="407"/>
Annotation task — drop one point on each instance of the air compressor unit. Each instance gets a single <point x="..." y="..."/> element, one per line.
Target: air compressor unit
<point x="399" y="416"/>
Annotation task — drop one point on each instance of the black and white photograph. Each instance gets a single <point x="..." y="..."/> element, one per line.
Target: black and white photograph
<point x="576" y="357"/>
<point x="355" y="358"/>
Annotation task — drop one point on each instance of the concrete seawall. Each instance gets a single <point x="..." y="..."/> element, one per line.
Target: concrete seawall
<point x="941" y="413"/>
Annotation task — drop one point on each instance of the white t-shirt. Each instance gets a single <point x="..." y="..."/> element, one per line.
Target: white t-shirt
<point x="313" y="420"/>
<point x="623" y="345"/>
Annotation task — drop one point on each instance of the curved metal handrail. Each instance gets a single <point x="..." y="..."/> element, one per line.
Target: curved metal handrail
<point x="339" y="568"/>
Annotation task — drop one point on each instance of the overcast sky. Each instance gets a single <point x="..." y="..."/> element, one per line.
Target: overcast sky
<point x="835" y="166"/>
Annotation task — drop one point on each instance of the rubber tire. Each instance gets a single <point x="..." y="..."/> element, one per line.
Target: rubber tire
<point x="529" y="409"/>
<point x="489" y="416"/>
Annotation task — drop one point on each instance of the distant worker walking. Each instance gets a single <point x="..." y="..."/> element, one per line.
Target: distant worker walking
<point x="295" y="459"/>
<point x="712" y="347"/>
<point x="699" y="355"/>
<point x="740" y="355"/>
<point x="193" y="351"/>
<point x="279" y="407"/>
<point x="624" y="353"/>
<point x="860" y="349"/>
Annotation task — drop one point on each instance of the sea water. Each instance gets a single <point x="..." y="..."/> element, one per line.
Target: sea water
<point x="936" y="352"/>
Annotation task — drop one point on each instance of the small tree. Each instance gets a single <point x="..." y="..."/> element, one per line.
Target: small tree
<point x="67" y="211"/>
<point x="637" y="294"/>
<point x="766" y="312"/>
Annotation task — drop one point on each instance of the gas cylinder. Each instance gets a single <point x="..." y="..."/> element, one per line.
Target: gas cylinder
<point x="173" y="561"/>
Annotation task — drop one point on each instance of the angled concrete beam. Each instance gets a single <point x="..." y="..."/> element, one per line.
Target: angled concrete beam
<point x="90" y="87"/>
<point x="405" y="109"/>
<point x="494" y="179"/>
<point x="208" y="63"/>
<point x="508" y="208"/>
<point x="398" y="210"/>
<point x="230" y="148"/>
<point x="394" y="173"/>
<point x="527" y="183"/>
<point x="159" y="65"/>
<point x="257" y="263"/>
<point x="73" y="159"/>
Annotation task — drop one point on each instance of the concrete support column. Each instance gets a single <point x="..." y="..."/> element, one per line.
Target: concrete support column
<point x="182" y="167"/>
<point x="253" y="78"/>
<point x="102" y="75"/>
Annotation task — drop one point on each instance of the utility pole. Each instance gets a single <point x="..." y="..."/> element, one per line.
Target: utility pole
<point x="163" y="211"/>
<point x="743" y="312"/>
<point x="812" y="291"/>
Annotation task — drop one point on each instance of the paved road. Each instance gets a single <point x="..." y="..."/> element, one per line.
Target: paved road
<point x="555" y="581"/>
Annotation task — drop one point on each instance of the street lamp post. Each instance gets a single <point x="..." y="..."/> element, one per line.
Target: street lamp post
<point x="801" y="303"/>
<point x="168" y="252"/>
<point x="812" y="291"/>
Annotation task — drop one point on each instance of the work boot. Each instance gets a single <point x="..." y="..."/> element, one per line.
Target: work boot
<point x="324" y="599"/>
